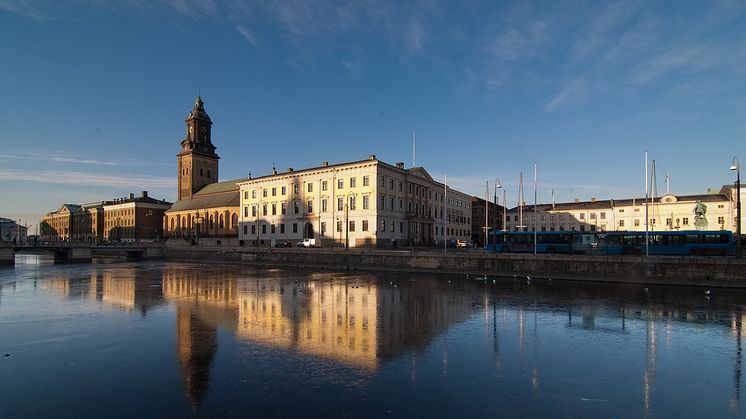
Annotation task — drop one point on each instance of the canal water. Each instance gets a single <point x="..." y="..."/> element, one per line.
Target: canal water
<point x="162" y="339"/>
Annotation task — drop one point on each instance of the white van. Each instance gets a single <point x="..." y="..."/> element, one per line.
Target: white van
<point x="306" y="243"/>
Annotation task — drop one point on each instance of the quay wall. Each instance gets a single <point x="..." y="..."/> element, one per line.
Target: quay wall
<point x="7" y="253"/>
<point x="705" y="271"/>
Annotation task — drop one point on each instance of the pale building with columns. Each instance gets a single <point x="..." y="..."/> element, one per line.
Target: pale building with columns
<point x="360" y="203"/>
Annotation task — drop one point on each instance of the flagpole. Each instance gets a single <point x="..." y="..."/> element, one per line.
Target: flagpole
<point x="486" y="210"/>
<point x="445" y="215"/>
<point x="520" y="202"/>
<point x="536" y="182"/>
<point x="505" y="210"/>
<point x="646" y="205"/>
<point x="414" y="148"/>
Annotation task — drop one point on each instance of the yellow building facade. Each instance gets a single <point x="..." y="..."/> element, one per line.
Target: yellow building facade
<point x="666" y="213"/>
<point x="366" y="203"/>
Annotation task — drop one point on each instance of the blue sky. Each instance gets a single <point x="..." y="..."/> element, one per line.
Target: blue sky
<point x="95" y="92"/>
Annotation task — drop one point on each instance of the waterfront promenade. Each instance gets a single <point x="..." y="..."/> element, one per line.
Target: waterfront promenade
<point x="703" y="271"/>
<point x="472" y="263"/>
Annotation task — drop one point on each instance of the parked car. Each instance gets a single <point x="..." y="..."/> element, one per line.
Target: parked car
<point x="306" y="243"/>
<point x="465" y="243"/>
<point x="283" y="244"/>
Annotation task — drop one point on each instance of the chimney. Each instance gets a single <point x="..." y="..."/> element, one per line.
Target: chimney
<point x="372" y="157"/>
<point x="400" y="165"/>
<point x="577" y="200"/>
<point x="144" y="194"/>
<point x="593" y="199"/>
<point x="132" y="195"/>
<point x="326" y="163"/>
<point x="290" y="169"/>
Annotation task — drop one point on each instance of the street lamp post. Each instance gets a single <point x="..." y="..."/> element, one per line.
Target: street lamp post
<point x="347" y="226"/>
<point x="737" y="167"/>
<point x="197" y="226"/>
<point x="258" y="212"/>
<point x="347" y="219"/>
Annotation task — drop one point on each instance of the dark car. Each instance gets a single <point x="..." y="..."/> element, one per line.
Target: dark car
<point x="283" y="244"/>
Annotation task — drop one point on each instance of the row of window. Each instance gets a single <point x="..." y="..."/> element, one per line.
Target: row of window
<point x="416" y="208"/>
<point x="391" y="225"/>
<point x="637" y="222"/>
<point x="418" y="190"/>
<point x="309" y="187"/>
<point x="340" y="224"/>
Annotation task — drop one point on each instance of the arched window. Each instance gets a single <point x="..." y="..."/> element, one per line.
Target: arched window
<point x="220" y="222"/>
<point x="234" y="221"/>
<point x="212" y="220"/>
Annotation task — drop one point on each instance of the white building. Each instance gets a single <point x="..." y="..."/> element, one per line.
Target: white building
<point x="665" y="213"/>
<point x="360" y="203"/>
<point x="10" y="230"/>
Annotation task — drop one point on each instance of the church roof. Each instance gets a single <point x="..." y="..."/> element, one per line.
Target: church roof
<point x="214" y="195"/>
<point x="218" y="200"/>
<point x="220" y="187"/>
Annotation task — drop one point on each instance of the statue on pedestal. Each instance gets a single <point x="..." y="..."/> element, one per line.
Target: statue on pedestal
<point x="700" y="220"/>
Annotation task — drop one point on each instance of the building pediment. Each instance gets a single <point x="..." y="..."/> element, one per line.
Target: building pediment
<point x="68" y="209"/>
<point x="669" y="199"/>
<point x="421" y="173"/>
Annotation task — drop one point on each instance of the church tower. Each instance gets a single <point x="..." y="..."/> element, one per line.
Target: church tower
<point x="198" y="162"/>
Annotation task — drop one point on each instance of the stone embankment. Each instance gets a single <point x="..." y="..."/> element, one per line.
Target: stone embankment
<point x="7" y="254"/>
<point x="707" y="271"/>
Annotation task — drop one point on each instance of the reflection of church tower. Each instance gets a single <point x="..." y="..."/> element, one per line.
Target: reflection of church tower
<point x="198" y="162"/>
<point x="196" y="343"/>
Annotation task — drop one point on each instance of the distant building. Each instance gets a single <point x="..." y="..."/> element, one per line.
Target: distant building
<point x="58" y="225"/>
<point x="360" y="203"/>
<point x="10" y="231"/>
<point x="206" y="207"/>
<point x="133" y="218"/>
<point x="494" y="218"/>
<point x="665" y="213"/>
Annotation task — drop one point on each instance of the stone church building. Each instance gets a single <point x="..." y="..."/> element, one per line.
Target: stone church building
<point x="205" y="207"/>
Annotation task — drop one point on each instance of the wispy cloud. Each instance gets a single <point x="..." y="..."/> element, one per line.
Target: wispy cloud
<point x="126" y="181"/>
<point x="688" y="57"/>
<point x="194" y="8"/>
<point x="60" y="159"/>
<point x="577" y="91"/>
<point x="246" y="33"/>
<point x="53" y="156"/>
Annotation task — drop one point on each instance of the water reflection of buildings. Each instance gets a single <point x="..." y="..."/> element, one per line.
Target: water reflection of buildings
<point x="354" y="322"/>
<point x="127" y="288"/>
